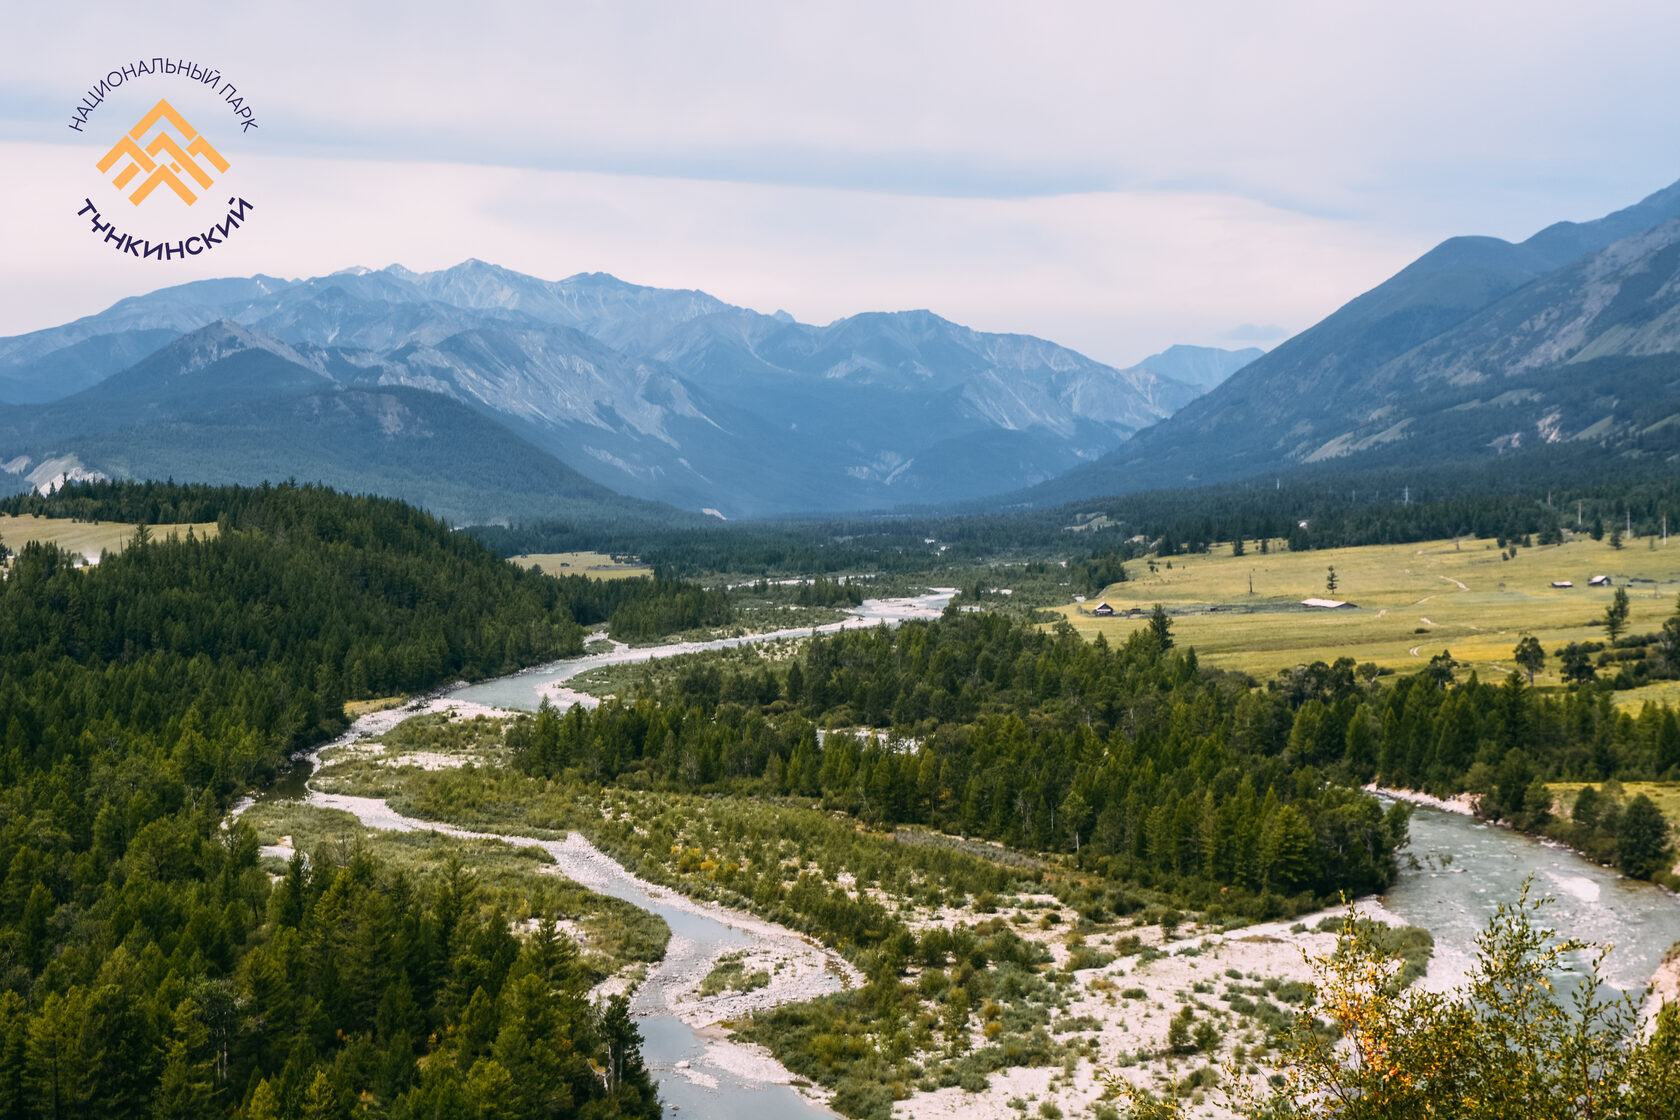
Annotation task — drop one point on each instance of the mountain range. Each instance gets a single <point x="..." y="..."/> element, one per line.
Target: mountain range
<point x="1478" y="348"/>
<point x="487" y="394"/>
<point x="667" y="396"/>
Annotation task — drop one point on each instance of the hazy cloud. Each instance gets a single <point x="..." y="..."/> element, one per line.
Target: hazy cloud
<point x="1129" y="175"/>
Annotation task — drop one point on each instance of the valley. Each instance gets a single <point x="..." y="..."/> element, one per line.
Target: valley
<point x="1094" y="989"/>
<point x="552" y="698"/>
<point x="926" y="851"/>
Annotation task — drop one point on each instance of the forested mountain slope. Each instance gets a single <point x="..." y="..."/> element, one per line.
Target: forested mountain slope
<point x="225" y="404"/>
<point x="147" y="967"/>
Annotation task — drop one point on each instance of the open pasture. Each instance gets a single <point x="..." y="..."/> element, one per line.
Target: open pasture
<point x="595" y="565"/>
<point x="89" y="538"/>
<point x="1410" y="602"/>
<point x="1665" y="795"/>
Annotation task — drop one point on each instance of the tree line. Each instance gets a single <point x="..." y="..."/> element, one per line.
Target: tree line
<point x="1523" y="495"/>
<point x="643" y="610"/>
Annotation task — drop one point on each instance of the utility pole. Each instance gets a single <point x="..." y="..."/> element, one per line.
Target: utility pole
<point x="1251" y="581"/>
<point x="1407" y="500"/>
<point x="1577" y="513"/>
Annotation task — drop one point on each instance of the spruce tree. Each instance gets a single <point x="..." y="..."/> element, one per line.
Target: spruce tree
<point x="1642" y="847"/>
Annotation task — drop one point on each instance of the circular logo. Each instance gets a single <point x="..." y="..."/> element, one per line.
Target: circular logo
<point x="172" y="134"/>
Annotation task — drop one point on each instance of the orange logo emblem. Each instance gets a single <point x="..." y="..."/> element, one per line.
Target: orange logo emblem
<point x="163" y="148"/>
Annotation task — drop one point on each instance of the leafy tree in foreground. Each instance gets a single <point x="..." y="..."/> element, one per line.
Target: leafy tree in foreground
<point x="1505" y="1045"/>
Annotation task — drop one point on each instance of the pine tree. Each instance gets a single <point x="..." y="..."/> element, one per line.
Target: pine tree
<point x="1668" y="746"/>
<point x="1161" y="626"/>
<point x="1287" y="851"/>
<point x="1076" y="813"/>
<point x="186" y="1090"/>
<point x="1642" y="846"/>
<point x="1577" y="663"/>
<point x="1178" y="1032"/>
<point x="623" y="1044"/>
<point x="1616" y="614"/>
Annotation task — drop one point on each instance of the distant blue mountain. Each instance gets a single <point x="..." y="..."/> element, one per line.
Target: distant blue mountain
<point x="227" y="404"/>
<point x="1202" y="367"/>
<point x="666" y="395"/>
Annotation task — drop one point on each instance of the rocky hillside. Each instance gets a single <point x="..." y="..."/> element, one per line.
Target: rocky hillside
<point x="1477" y="347"/>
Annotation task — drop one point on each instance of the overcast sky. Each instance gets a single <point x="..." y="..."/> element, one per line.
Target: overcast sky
<point x="1115" y="176"/>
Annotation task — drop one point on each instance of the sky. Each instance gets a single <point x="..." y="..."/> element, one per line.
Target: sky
<point x="1117" y="177"/>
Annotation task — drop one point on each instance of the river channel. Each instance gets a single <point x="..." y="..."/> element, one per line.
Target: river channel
<point x="525" y="690"/>
<point x="1468" y="867"/>
<point x="1463" y="870"/>
<point x="699" y="1074"/>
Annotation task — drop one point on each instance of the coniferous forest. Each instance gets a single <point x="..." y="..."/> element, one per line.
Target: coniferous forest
<point x="1152" y="770"/>
<point x="148" y="968"/>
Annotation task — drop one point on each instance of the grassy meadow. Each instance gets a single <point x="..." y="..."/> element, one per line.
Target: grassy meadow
<point x="1665" y="795"/>
<point x="595" y="565"/>
<point x="1412" y="601"/>
<point x="354" y="709"/>
<point x="90" y="538"/>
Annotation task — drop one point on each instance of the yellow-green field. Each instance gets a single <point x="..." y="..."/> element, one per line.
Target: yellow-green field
<point x="354" y="709"/>
<point x="1665" y="795"/>
<point x="1413" y="601"/>
<point x="90" y="538"/>
<point x="596" y="565"/>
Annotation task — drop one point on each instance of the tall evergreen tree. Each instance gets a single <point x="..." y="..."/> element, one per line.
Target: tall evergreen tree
<point x="1642" y="845"/>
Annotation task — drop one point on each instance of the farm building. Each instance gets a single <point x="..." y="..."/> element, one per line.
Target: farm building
<point x="1562" y="583"/>
<point x="1327" y="604"/>
<point x="1103" y="609"/>
<point x="1599" y="581"/>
